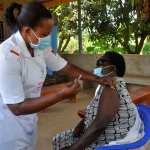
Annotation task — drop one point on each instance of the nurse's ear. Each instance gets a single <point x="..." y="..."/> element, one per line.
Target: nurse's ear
<point x="28" y="35"/>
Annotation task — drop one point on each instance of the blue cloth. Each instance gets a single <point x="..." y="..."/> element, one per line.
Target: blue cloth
<point x="144" y="112"/>
<point x="54" y="38"/>
<point x="50" y="72"/>
<point x="53" y="44"/>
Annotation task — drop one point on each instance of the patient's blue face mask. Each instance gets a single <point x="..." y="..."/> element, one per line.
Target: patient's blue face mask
<point x="98" y="71"/>
<point x="42" y="43"/>
<point x="101" y="71"/>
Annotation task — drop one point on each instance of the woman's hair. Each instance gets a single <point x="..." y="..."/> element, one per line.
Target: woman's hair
<point x="29" y="14"/>
<point x="118" y="61"/>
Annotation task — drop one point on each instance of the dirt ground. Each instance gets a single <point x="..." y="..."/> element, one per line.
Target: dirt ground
<point x="58" y="118"/>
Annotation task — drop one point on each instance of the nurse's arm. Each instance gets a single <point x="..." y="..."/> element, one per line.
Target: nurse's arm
<point x="108" y="106"/>
<point x="34" y="105"/>
<point x="57" y="63"/>
<point x="54" y="88"/>
<point x="74" y="71"/>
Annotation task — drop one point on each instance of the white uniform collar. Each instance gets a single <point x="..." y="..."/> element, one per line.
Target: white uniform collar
<point x="21" y="44"/>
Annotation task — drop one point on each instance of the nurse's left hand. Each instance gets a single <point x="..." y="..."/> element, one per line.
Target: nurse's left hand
<point x="70" y="89"/>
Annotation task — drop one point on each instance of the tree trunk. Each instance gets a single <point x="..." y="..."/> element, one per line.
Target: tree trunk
<point x="61" y="41"/>
<point x="127" y="48"/>
<point x="66" y="44"/>
<point x="141" y="43"/>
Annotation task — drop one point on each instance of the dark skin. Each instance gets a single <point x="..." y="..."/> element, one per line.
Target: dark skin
<point x="54" y="88"/>
<point x="109" y="101"/>
<point x="109" y="70"/>
<point x="108" y="107"/>
<point x="102" y="119"/>
<point x="35" y="105"/>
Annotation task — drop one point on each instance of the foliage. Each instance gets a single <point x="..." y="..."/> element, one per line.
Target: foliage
<point x="100" y="47"/>
<point x="146" y="49"/>
<point x="67" y="21"/>
<point x="121" y="25"/>
<point x="118" y="22"/>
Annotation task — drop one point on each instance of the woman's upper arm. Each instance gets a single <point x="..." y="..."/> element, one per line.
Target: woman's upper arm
<point x="109" y="104"/>
<point x="11" y="87"/>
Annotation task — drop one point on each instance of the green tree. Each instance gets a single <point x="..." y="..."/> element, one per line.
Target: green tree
<point x="67" y="21"/>
<point x="124" y="23"/>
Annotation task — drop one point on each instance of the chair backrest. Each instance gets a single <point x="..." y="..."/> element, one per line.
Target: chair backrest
<point x="144" y="112"/>
<point x="141" y="95"/>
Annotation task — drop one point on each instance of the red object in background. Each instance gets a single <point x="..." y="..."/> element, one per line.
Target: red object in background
<point x="141" y="95"/>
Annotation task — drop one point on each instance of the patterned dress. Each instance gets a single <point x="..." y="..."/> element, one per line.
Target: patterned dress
<point x="116" y="129"/>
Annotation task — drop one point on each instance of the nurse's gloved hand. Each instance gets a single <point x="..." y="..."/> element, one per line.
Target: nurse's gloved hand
<point x="70" y="90"/>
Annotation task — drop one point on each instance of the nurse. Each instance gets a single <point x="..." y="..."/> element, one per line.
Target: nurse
<point x="23" y="61"/>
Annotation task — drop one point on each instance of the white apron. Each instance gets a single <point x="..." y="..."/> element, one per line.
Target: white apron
<point x="12" y="135"/>
<point x="19" y="132"/>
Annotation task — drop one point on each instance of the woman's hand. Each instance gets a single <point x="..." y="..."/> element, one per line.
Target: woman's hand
<point x="107" y="80"/>
<point x="70" y="89"/>
<point x="81" y="113"/>
<point x="54" y="88"/>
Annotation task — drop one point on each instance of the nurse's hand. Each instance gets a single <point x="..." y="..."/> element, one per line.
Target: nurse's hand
<point x="70" y="89"/>
<point x="107" y="80"/>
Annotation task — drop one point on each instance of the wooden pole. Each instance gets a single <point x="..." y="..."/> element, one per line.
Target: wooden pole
<point x="79" y="27"/>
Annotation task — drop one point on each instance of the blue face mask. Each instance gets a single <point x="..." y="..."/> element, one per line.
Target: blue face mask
<point x="98" y="71"/>
<point x="42" y="43"/>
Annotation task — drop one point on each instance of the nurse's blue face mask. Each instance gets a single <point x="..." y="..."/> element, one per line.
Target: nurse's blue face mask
<point x="42" y="43"/>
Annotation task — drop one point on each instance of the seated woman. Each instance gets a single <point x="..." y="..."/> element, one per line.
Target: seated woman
<point x="110" y="118"/>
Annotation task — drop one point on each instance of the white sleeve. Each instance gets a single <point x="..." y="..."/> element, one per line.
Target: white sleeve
<point x="54" y="61"/>
<point x="11" y="87"/>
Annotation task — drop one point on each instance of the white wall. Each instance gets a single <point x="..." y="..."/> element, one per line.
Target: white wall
<point x="138" y="67"/>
